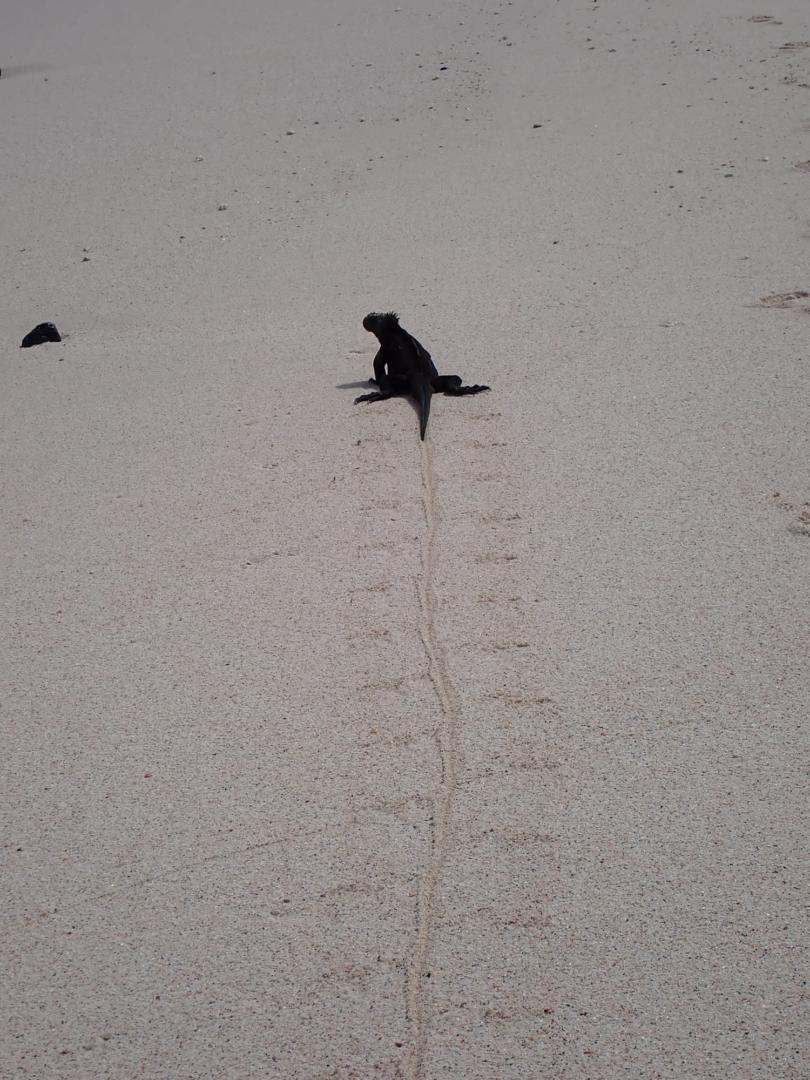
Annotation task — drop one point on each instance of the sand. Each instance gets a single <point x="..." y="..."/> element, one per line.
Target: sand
<point x="326" y="755"/>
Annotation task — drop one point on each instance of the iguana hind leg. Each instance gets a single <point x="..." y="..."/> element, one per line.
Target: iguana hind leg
<point x="451" y="384"/>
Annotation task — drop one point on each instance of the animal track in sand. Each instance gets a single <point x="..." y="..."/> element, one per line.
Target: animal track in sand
<point x="396" y="741"/>
<point x="435" y="801"/>
<point x="499" y="517"/>
<point x="513" y="698"/>
<point x="381" y="632"/>
<point x="381" y="545"/>
<point x="787" y="301"/>
<point x="387" y="684"/>
<point x="379" y="586"/>
<point x="801" y="526"/>
<point x="443" y="797"/>
<point x="382" y="504"/>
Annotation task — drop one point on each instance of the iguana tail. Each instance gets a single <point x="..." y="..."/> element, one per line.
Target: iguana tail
<point x="422" y="392"/>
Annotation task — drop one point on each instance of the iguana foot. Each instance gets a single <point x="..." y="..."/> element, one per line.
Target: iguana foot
<point x="371" y="397"/>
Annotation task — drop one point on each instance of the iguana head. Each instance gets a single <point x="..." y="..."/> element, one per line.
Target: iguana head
<point x="378" y="323"/>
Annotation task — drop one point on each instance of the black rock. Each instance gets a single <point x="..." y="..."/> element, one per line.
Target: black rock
<point x="46" y="331"/>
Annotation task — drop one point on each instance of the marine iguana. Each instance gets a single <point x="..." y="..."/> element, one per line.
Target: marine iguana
<point x="403" y="366"/>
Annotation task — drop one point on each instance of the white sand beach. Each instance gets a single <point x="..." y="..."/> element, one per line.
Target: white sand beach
<point x="327" y="754"/>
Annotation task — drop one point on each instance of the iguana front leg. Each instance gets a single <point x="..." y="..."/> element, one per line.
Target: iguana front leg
<point x="372" y="397"/>
<point x="380" y="379"/>
<point x="381" y="375"/>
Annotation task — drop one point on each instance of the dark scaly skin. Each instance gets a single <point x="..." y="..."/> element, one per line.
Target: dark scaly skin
<point x="404" y="367"/>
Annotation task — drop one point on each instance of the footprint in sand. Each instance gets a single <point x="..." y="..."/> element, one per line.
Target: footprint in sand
<point x="499" y="516"/>
<point x="787" y="301"/>
<point x="801" y="525"/>
<point x="519" y="698"/>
